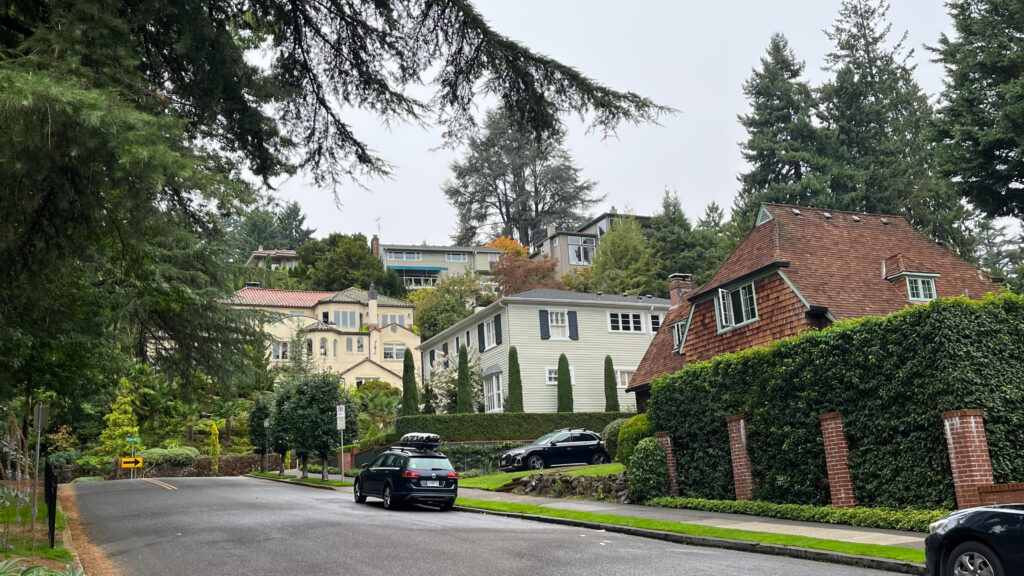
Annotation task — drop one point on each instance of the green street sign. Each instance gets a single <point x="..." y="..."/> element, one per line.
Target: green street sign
<point x="131" y="440"/>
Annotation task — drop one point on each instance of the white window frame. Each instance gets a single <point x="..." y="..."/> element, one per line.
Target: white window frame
<point x="554" y="382"/>
<point x="725" y="315"/>
<point x="493" y="398"/>
<point x="323" y="347"/>
<point x="280" y="351"/>
<point x="394" y="348"/>
<point x="618" y="375"/>
<point x="922" y="282"/>
<point x="678" y="331"/>
<point x="554" y="242"/>
<point x="359" y="345"/>
<point x="564" y="326"/>
<point x="456" y="257"/>
<point x="586" y="246"/>
<point x="650" y="320"/>
<point x="631" y="316"/>
<point x="489" y="336"/>
<point x="404" y="255"/>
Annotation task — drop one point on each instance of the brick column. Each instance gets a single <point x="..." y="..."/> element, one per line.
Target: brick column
<point x="670" y="459"/>
<point x="836" y="454"/>
<point x="742" y="477"/>
<point x="968" y="455"/>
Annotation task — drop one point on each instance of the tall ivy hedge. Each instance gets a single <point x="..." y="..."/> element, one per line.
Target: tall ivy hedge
<point x="891" y="378"/>
<point x="502" y="425"/>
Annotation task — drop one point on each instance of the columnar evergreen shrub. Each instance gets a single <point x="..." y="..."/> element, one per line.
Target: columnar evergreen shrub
<point x="514" y="403"/>
<point x="648" y="472"/>
<point x="633" y="431"/>
<point x="610" y="435"/>
<point x="214" y="449"/>
<point x="464" y="388"/>
<point x="410" y="393"/>
<point x="611" y="387"/>
<point x="564" y="385"/>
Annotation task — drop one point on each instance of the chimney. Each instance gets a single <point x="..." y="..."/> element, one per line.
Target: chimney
<point x="371" y="297"/>
<point x="678" y="286"/>
<point x="551" y="230"/>
<point x="375" y="246"/>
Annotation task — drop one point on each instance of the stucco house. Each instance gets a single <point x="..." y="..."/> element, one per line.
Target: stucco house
<point x="273" y="259"/>
<point x="356" y="333"/>
<point x="803" y="269"/>
<point x="543" y="324"/>
<point x="423" y="266"/>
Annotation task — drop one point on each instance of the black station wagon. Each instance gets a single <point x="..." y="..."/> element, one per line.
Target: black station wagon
<point x="413" y="471"/>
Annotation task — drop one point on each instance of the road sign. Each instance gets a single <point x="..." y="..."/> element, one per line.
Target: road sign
<point x="341" y="411"/>
<point x="131" y="462"/>
<point x="136" y="439"/>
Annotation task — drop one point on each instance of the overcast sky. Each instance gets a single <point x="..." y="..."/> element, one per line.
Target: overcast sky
<point x="692" y="56"/>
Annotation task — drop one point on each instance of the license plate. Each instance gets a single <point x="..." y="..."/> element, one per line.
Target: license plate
<point x="432" y="483"/>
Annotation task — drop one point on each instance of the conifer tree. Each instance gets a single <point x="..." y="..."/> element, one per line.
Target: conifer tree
<point x="429" y="398"/>
<point x="463" y="387"/>
<point x="626" y="264"/>
<point x="611" y="387"/>
<point x="121" y="424"/>
<point x="410" y="393"/>
<point x="514" y="402"/>
<point x="214" y="450"/>
<point x="564" y="385"/>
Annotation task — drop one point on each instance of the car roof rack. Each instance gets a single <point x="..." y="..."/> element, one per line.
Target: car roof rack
<point x="419" y="441"/>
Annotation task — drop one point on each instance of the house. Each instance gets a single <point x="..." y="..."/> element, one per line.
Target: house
<point x="576" y="248"/>
<point x="356" y="333"/>
<point x="803" y="269"/>
<point x="424" y="266"/>
<point x="543" y="324"/>
<point x="273" y="259"/>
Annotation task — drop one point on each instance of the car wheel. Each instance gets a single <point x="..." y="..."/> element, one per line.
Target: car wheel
<point x="535" y="462"/>
<point x="599" y="458"/>
<point x="357" y="493"/>
<point x="974" y="559"/>
<point x="447" y="505"/>
<point x="389" y="501"/>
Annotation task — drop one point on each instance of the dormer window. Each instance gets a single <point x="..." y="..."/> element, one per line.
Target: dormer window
<point x="920" y="288"/>
<point x="736" y="307"/>
<point x="678" y="334"/>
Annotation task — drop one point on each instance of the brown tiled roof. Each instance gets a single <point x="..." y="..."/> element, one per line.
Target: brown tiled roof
<point x="899" y="264"/>
<point x="660" y="357"/>
<point x="252" y="296"/>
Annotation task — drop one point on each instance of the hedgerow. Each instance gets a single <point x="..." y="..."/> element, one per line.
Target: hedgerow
<point x="501" y="425"/>
<point x="648" y="474"/>
<point x="891" y="377"/>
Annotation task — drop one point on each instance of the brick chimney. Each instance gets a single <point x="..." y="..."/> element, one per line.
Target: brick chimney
<point x="678" y="286"/>
<point x="371" y="297"/>
<point x="375" y="246"/>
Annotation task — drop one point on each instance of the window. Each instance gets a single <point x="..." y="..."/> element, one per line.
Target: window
<point x="326" y="316"/>
<point x="469" y="343"/>
<point x="554" y="242"/>
<point x="492" y="393"/>
<point x="348" y="344"/>
<point x="552" y="375"/>
<point x="678" y="331"/>
<point x="558" y="325"/>
<point x="323" y="346"/>
<point x="655" y="322"/>
<point x="489" y="334"/>
<point x="736" y="307"/>
<point x="335" y="347"/>
<point x="623" y="376"/>
<point x="359" y="345"/>
<point x="457" y="343"/>
<point x="394" y="351"/>
<point x="294" y="313"/>
<point x="456" y="257"/>
<point x="920" y="289"/>
<point x="404" y="255"/>
<point x="493" y="257"/>
<point x="309" y="346"/>
<point x="581" y="251"/>
<point x="625" y="322"/>
<point x="280" y="350"/>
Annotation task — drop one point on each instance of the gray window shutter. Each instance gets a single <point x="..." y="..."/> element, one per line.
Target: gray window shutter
<point x="545" y="330"/>
<point x="497" y="329"/>
<point x="444" y="350"/>
<point x="574" y="329"/>
<point x="480" y="336"/>
<point x="432" y="357"/>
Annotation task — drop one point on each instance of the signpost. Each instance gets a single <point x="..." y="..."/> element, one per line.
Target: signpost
<point x="341" y="432"/>
<point x="133" y="440"/>
<point x="41" y="415"/>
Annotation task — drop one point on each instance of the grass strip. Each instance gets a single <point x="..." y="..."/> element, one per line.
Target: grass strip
<point x="316" y="481"/>
<point x="496" y="481"/>
<point x="856" y="549"/>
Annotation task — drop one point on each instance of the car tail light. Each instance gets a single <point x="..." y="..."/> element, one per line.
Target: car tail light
<point x="453" y="475"/>
<point x="410" y="474"/>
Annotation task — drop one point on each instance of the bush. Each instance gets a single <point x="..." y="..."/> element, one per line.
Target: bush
<point x="502" y="425"/>
<point x="633" y="431"/>
<point x="885" y="518"/>
<point x="478" y="457"/>
<point x="648" y="472"/>
<point x="180" y="456"/>
<point x="890" y="377"/>
<point x="62" y="459"/>
<point x="610" y="435"/>
<point x="379" y="440"/>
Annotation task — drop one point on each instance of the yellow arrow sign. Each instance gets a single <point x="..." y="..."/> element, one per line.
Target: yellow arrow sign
<point x="131" y="462"/>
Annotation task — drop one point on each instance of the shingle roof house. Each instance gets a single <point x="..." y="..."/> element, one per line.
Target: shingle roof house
<point x="799" y="269"/>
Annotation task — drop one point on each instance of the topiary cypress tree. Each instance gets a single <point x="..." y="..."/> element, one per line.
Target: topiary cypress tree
<point x="463" y="388"/>
<point x="410" y="393"/>
<point x="611" y="388"/>
<point x="564" y="385"/>
<point x="515" y="383"/>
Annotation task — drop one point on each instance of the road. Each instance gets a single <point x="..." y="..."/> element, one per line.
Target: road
<point x="246" y="526"/>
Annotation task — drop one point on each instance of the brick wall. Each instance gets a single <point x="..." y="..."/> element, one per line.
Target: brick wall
<point x="742" y="477"/>
<point x="836" y="454"/>
<point x="968" y="455"/>
<point x="670" y="460"/>
<point x="992" y="494"/>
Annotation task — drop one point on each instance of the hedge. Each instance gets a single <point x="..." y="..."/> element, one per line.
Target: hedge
<point x="479" y="457"/>
<point x="633" y="431"/>
<point x="886" y="518"/>
<point x="648" y="472"/>
<point x="502" y="425"/>
<point x="891" y="377"/>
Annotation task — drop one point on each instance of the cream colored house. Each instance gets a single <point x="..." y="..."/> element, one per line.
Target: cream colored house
<point x="356" y="333"/>
<point x="422" y="266"/>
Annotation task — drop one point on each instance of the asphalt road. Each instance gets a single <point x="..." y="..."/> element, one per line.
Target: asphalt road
<point x="245" y="526"/>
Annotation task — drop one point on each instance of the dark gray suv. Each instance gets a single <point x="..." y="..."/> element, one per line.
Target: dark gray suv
<point x="413" y="471"/>
<point x="564" y="447"/>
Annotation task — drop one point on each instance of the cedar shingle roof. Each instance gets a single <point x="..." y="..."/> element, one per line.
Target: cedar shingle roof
<point x="660" y="357"/>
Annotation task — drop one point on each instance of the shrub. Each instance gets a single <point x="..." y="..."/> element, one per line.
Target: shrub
<point x="610" y="435"/>
<point x="501" y="425"/>
<point x="478" y="457"/>
<point x="377" y="440"/>
<point x="62" y="459"/>
<point x="648" y="472"/>
<point x="633" y="431"/>
<point x="180" y="456"/>
<point x="214" y="450"/>
<point x="565" y="403"/>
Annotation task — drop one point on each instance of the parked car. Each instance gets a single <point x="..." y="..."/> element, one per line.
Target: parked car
<point x="564" y="447"/>
<point x="986" y="541"/>
<point x="412" y="471"/>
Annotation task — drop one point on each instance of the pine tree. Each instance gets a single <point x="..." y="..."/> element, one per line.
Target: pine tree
<point x="611" y="387"/>
<point x="410" y="393"/>
<point x="121" y="424"/>
<point x="514" y="403"/>
<point x="564" y="385"/>
<point x="626" y="263"/>
<point x="464" y="388"/>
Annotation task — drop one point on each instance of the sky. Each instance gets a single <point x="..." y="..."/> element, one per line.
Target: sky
<point x="691" y="56"/>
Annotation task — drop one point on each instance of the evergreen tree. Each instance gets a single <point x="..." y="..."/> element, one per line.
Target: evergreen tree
<point x="259" y="435"/>
<point x="514" y="402"/>
<point x="626" y="263"/>
<point x="564" y="385"/>
<point x="342" y="261"/>
<point x="121" y="424"/>
<point x="463" y="387"/>
<point x="711" y="246"/>
<point x="291" y="222"/>
<point x="981" y="120"/>
<point x="429" y="398"/>
<point x="410" y="393"/>
<point x="611" y="387"/>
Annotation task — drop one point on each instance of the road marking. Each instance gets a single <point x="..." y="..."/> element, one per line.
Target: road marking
<point x="164" y="485"/>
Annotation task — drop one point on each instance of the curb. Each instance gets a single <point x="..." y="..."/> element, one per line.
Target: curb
<point x="738" y="545"/>
<point x="285" y="481"/>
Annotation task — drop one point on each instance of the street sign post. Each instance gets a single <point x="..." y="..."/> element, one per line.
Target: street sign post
<point x="341" y="432"/>
<point x="131" y="462"/>
<point x="132" y="439"/>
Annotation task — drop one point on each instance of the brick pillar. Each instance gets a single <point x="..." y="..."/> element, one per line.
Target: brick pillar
<point x="670" y="459"/>
<point x="742" y="477"/>
<point x="968" y="455"/>
<point x="836" y="454"/>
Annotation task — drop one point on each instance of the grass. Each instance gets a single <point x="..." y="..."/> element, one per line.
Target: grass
<point x="875" y="550"/>
<point x="316" y="481"/>
<point x="496" y="481"/>
<point x="21" y="545"/>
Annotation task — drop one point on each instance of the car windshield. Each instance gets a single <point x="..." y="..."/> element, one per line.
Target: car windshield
<point x="430" y="464"/>
<point x="543" y="439"/>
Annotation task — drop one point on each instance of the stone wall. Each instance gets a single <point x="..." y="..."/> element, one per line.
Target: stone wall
<point x="559" y="485"/>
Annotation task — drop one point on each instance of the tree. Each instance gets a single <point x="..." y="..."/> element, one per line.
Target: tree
<point x="611" y="386"/>
<point x="121" y="424"/>
<point x="710" y="244"/>
<point x="214" y="450"/>
<point x="513" y="183"/>
<point x="508" y="245"/>
<point x="464" y="389"/>
<point x="515" y="274"/>
<point x="429" y="398"/>
<point x="514" y="402"/>
<point x="445" y="304"/>
<point x="291" y="221"/>
<point x="342" y="261"/>
<point x="564" y="385"/>
<point x="980" y="125"/>
<point x="259" y="435"/>
<point x="377" y="411"/>
<point x="280" y="419"/>
<point x="410" y="393"/>
<point x="317" y="397"/>
<point x="626" y="263"/>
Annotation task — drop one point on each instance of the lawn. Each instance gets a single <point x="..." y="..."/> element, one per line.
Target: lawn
<point x="876" y="550"/>
<point x="496" y="481"/>
<point x="19" y="541"/>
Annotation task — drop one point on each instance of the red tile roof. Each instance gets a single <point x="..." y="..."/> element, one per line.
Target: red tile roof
<point x="251" y="296"/>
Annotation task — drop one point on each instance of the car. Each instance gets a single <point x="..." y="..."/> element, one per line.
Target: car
<point x="411" y="471"/>
<point x="986" y="541"/>
<point x="565" y="447"/>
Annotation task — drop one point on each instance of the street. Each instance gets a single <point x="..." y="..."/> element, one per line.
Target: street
<point x="245" y="526"/>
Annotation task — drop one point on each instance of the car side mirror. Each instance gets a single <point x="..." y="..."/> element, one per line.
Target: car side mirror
<point x="553" y="444"/>
<point x="365" y="465"/>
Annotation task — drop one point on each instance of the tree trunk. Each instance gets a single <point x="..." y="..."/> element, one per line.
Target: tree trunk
<point x="305" y="466"/>
<point x="325" y="464"/>
<point x="281" y="465"/>
<point x="227" y="432"/>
